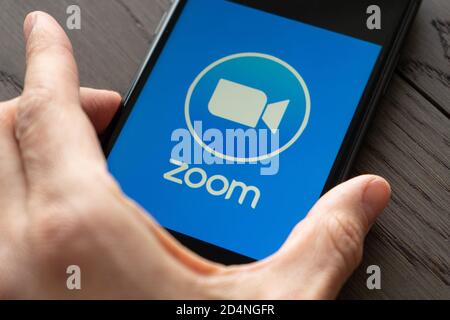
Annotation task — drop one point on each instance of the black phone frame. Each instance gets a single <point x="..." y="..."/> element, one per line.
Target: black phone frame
<point x="376" y="87"/>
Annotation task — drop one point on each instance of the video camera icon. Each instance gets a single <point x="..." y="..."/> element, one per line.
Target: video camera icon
<point x="245" y="105"/>
<point x="233" y="92"/>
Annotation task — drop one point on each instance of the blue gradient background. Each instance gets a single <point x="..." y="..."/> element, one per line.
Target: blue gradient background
<point x="336" y="69"/>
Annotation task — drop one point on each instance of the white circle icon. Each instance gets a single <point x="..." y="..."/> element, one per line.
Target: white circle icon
<point x="253" y="103"/>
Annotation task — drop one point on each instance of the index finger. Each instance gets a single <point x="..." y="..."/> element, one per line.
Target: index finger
<point x="55" y="136"/>
<point x="50" y="62"/>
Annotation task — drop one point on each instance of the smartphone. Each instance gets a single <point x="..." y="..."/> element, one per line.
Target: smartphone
<point x="245" y="112"/>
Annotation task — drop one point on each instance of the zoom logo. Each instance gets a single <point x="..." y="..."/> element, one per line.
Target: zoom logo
<point x="249" y="91"/>
<point x="244" y="105"/>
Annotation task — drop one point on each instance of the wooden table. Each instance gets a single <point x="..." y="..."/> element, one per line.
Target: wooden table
<point x="408" y="143"/>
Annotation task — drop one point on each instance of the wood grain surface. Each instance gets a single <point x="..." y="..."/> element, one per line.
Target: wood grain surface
<point x="408" y="143"/>
<point x="425" y="64"/>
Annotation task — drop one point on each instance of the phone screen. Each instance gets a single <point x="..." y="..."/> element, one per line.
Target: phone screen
<point x="237" y="127"/>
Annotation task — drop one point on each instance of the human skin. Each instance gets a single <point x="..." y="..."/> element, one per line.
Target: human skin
<point x="59" y="206"/>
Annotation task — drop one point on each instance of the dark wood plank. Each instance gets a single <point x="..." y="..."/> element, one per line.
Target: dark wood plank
<point x="408" y="142"/>
<point x="109" y="48"/>
<point x="426" y="57"/>
<point x="409" y="145"/>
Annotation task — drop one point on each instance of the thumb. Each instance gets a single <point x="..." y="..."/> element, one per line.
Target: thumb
<point x="326" y="247"/>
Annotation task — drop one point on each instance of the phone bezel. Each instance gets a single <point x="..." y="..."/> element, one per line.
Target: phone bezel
<point x="375" y="87"/>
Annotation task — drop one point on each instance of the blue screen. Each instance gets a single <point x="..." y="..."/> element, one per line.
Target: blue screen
<point x="228" y="66"/>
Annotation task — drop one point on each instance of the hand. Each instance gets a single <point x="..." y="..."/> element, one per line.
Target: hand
<point x="59" y="206"/>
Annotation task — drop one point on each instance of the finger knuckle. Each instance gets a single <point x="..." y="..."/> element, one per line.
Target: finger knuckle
<point x="33" y="104"/>
<point x="66" y="227"/>
<point x="346" y="238"/>
<point x="34" y="98"/>
<point x="55" y="226"/>
<point x="42" y="46"/>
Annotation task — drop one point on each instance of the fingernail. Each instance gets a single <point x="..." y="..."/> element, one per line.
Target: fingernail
<point x="375" y="198"/>
<point x="30" y="22"/>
